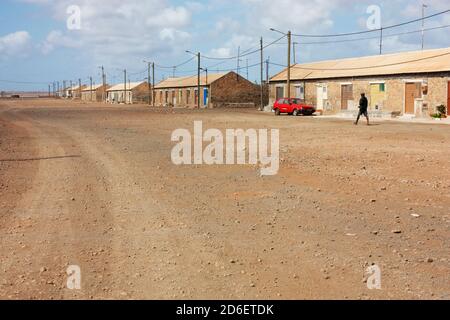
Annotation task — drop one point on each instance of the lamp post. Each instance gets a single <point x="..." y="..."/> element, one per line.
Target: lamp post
<point x="289" y="36"/>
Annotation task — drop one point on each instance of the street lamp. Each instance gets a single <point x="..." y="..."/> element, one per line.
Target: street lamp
<point x="198" y="76"/>
<point x="289" y="36"/>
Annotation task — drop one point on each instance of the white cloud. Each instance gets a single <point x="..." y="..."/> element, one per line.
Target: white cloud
<point x="56" y="39"/>
<point x="16" y="43"/>
<point x="112" y="29"/>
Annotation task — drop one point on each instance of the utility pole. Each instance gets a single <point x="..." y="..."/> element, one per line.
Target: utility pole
<point x="267" y="69"/>
<point x="289" y="35"/>
<point x="238" y="62"/>
<point x="92" y="97"/>
<point x="174" y="70"/>
<point x="49" y="91"/>
<point x="58" y="90"/>
<point x="198" y="81"/>
<point x="103" y="84"/>
<point x="125" y="86"/>
<point x="71" y="89"/>
<point x="153" y="87"/>
<point x="247" y="67"/>
<point x="149" y="84"/>
<point x="64" y="89"/>
<point x="262" y="74"/>
<point x="79" y="87"/>
<point x="424" y="6"/>
<point x="295" y="58"/>
<point x="381" y="41"/>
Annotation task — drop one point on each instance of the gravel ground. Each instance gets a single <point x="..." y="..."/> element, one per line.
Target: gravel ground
<point x="94" y="186"/>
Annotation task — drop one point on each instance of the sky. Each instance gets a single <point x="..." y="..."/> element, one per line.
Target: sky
<point x="42" y="41"/>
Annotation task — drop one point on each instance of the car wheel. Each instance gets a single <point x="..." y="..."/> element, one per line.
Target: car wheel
<point x="277" y="112"/>
<point x="296" y="113"/>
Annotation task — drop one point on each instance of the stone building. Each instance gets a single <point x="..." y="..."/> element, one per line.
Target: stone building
<point x="129" y="93"/>
<point x="216" y="90"/>
<point x="411" y="83"/>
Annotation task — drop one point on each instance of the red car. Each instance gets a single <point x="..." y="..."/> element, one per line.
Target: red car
<point x="293" y="107"/>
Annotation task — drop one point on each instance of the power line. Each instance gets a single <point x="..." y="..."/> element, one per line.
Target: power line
<point x="176" y="66"/>
<point x="246" y="54"/>
<point x="372" y="38"/>
<point x="373" y="30"/>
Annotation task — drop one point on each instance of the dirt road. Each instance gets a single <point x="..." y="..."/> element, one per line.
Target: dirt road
<point x="94" y="186"/>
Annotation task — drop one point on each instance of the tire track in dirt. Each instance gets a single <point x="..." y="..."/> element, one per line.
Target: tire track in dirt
<point x="61" y="230"/>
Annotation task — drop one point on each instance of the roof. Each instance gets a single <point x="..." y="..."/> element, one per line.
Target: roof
<point x="94" y="87"/>
<point x="77" y="87"/>
<point x="437" y="60"/>
<point x="130" y="86"/>
<point x="191" y="81"/>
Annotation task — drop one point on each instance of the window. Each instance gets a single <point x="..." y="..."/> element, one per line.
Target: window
<point x="279" y="92"/>
<point x="188" y="96"/>
<point x="300" y="92"/>
<point x="382" y="87"/>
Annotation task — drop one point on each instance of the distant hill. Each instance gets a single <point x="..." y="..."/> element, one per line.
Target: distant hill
<point x="23" y="94"/>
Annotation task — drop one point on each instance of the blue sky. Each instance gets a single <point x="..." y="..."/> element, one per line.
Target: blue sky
<point x="36" y="45"/>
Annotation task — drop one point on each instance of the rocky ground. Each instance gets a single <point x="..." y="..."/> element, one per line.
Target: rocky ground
<point x="94" y="186"/>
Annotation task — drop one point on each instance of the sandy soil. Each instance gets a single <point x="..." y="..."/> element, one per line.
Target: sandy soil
<point x="94" y="186"/>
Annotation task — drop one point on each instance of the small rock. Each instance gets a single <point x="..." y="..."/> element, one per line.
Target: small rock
<point x="396" y="231"/>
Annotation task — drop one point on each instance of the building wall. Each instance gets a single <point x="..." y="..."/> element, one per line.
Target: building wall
<point x="234" y="90"/>
<point x="394" y="93"/>
<point x="96" y="95"/>
<point x="138" y="94"/>
<point x="160" y="97"/>
<point x="226" y="91"/>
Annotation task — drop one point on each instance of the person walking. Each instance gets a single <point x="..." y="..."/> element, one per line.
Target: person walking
<point x="363" y="106"/>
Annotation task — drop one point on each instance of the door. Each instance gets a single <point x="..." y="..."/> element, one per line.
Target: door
<point x="346" y="95"/>
<point x="412" y="92"/>
<point x="320" y="97"/>
<point x="377" y="95"/>
<point x="205" y="96"/>
<point x="279" y="93"/>
<point x="448" y="99"/>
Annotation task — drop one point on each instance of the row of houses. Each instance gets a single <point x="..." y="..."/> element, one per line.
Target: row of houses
<point x="216" y="90"/>
<point x="412" y="83"/>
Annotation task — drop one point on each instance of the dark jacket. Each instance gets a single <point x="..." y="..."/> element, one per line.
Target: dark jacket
<point x="363" y="104"/>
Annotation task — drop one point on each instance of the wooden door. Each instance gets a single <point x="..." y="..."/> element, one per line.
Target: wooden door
<point x="319" y="98"/>
<point x="346" y="95"/>
<point x="279" y="93"/>
<point x="412" y="92"/>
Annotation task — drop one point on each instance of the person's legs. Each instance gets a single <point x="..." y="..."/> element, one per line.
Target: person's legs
<point x="357" y="119"/>
<point x="367" y="117"/>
